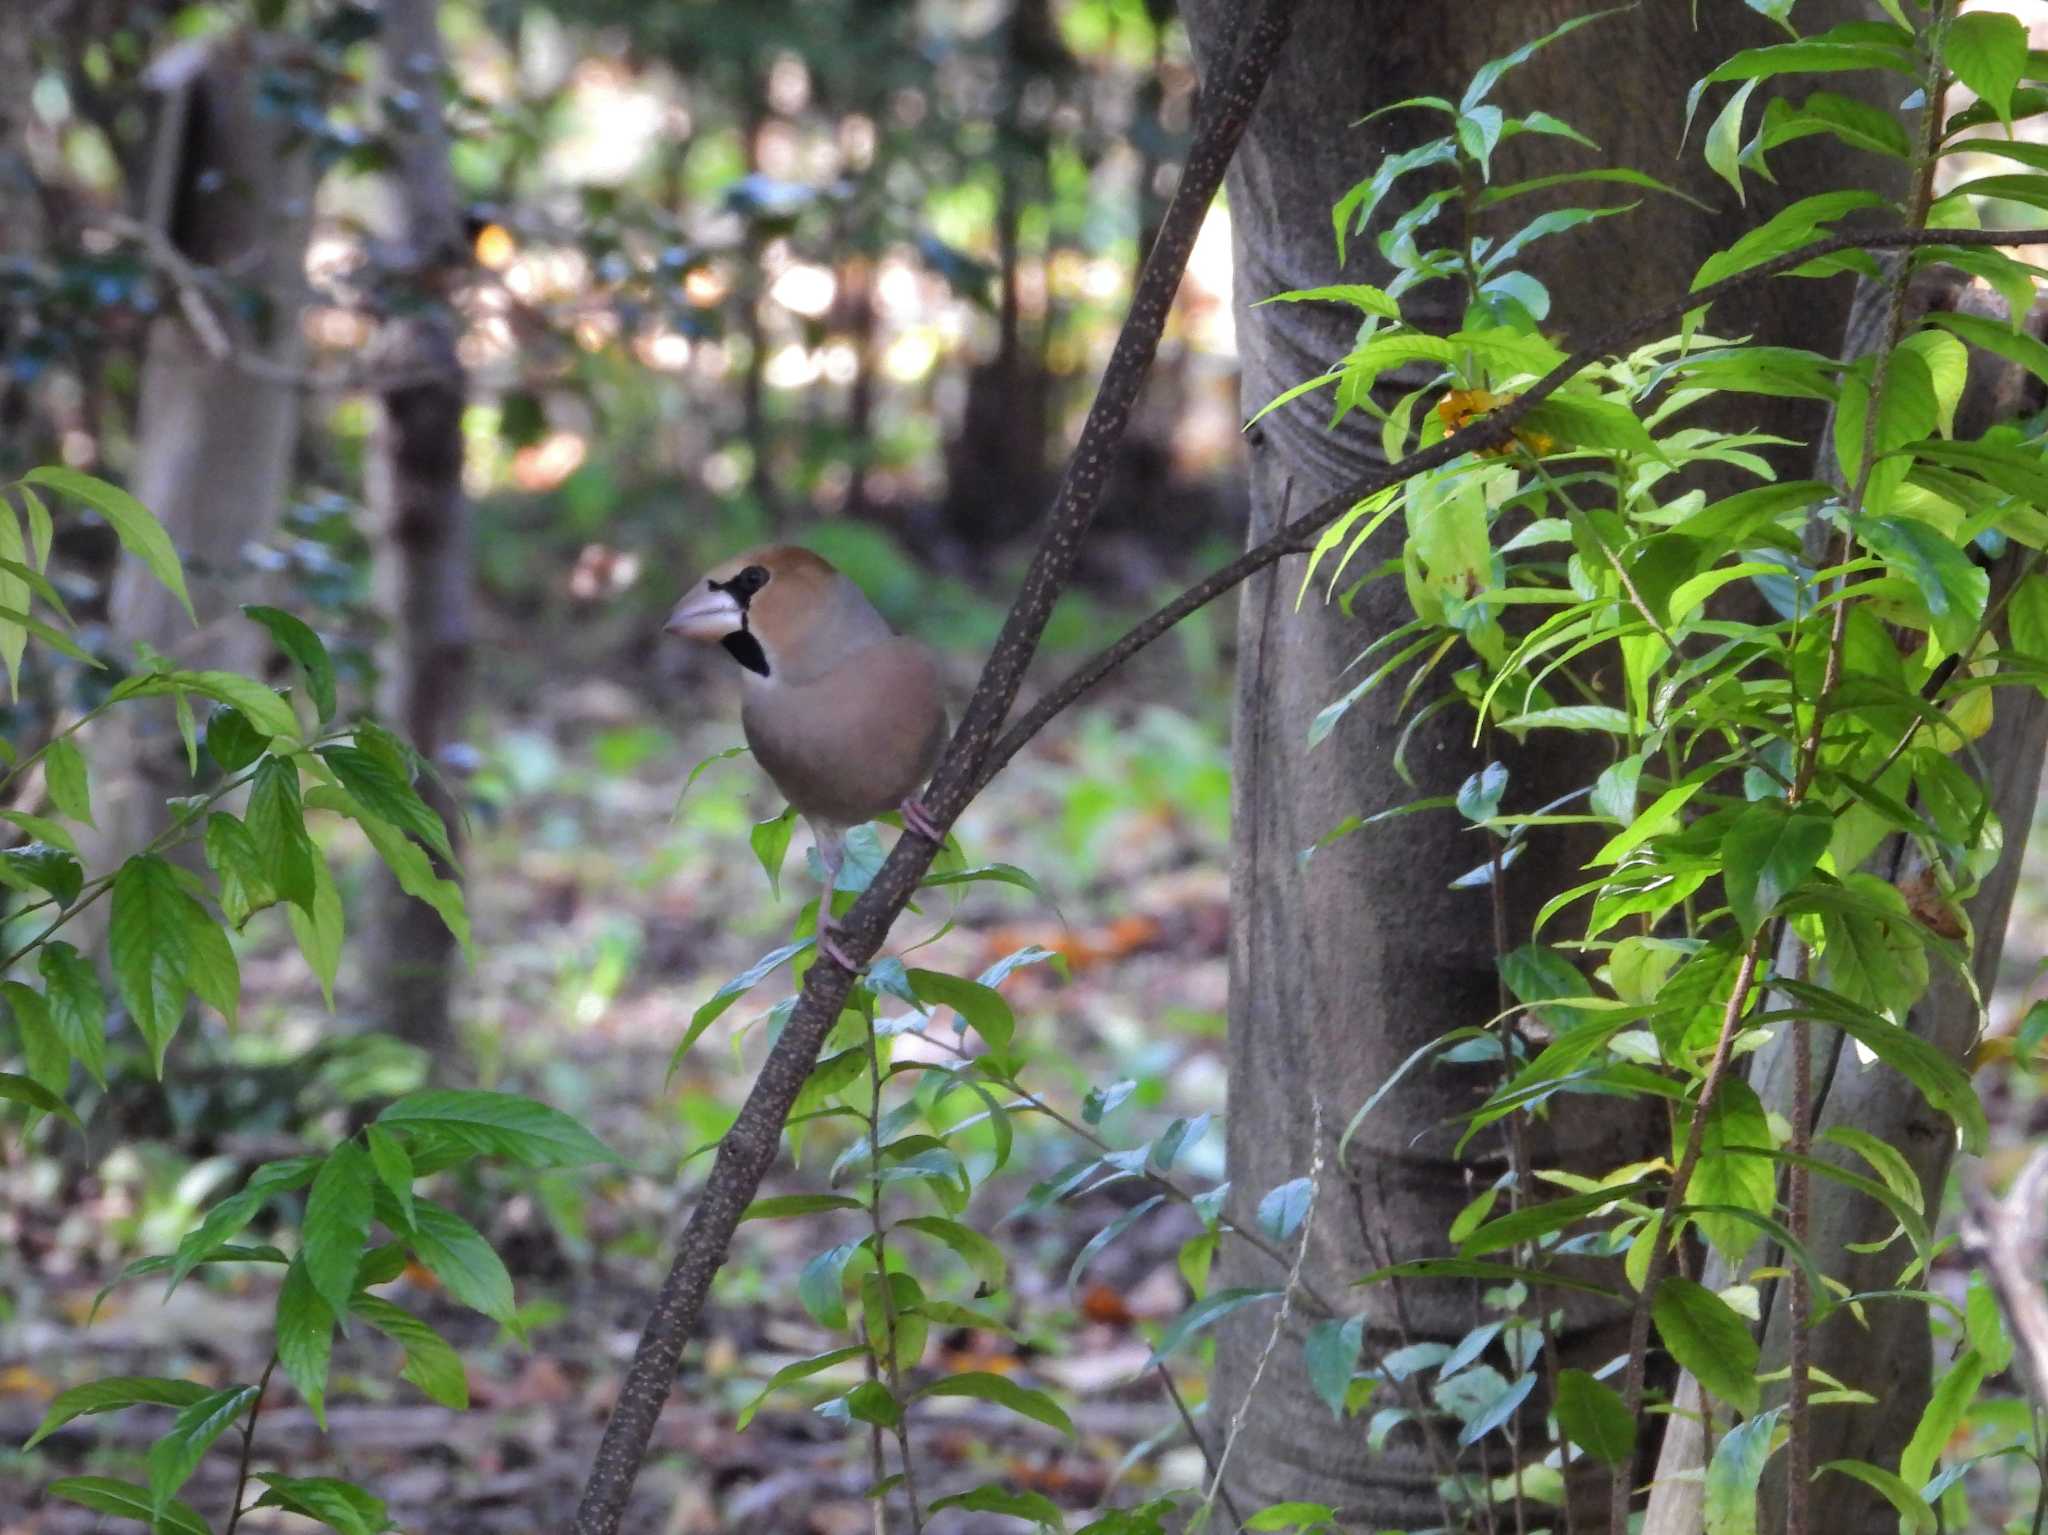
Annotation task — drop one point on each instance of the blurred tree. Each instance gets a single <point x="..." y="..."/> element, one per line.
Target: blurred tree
<point x="416" y="501"/>
<point x="1340" y="970"/>
<point x="223" y="221"/>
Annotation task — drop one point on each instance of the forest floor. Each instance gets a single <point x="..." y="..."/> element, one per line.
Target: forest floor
<point x="605" y="914"/>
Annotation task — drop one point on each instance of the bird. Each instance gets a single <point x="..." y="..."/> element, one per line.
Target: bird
<point x="846" y="716"/>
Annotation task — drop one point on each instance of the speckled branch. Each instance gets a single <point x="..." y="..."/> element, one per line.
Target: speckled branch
<point x="749" y="1148"/>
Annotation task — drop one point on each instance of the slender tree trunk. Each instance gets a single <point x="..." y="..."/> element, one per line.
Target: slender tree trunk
<point x="419" y="510"/>
<point x="1343" y="968"/>
<point x="229" y="196"/>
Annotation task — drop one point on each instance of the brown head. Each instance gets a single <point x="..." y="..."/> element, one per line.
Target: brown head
<point x="778" y="609"/>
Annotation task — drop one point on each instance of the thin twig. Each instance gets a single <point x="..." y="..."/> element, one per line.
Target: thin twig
<point x="1187" y="1419"/>
<point x="248" y="1447"/>
<point x="1251" y="1390"/>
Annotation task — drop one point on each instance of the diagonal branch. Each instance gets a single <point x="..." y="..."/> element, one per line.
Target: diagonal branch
<point x="749" y="1148"/>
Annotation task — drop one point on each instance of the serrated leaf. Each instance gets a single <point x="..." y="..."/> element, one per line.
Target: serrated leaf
<point x="178" y="1451"/>
<point x="150" y="946"/>
<point x="458" y="1255"/>
<point x="430" y="1363"/>
<point x="305" y="1338"/>
<point x="1708" y="1339"/>
<point x="339" y="1505"/>
<point x="337" y="1224"/>
<point x="500" y="1124"/>
<point x="1767" y="853"/>
<point x="384" y="792"/>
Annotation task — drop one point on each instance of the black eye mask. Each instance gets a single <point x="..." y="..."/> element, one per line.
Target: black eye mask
<point x="741" y="644"/>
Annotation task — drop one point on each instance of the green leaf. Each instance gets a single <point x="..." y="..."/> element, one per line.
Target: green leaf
<point x="1284" y="1208"/>
<point x="2001" y="340"/>
<point x="430" y="1363"/>
<point x="1708" y="1339"/>
<point x="1361" y="296"/>
<point x="407" y="861"/>
<point x="177" y="1453"/>
<point x="1572" y="717"/>
<point x="983" y="1386"/>
<point x="243" y="871"/>
<point x="124" y="1500"/>
<point x="770" y="840"/>
<point x="782" y="1206"/>
<point x="1984" y="1325"/>
<point x="15" y="1088"/>
<point x="265" y="711"/>
<point x="112" y="1393"/>
<point x="1952" y="1397"/>
<point x="65" y="776"/>
<point x="1735" y="1120"/>
<point x="214" y="973"/>
<point x="277" y="821"/>
<point x="392" y="1164"/>
<point x="337" y="1225"/>
<point x="1594" y="1417"/>
<point x="1987" y="50"/>
<point x="1101" y="1240"/>
<point x="1537" y="973"/>
<point x="458" y="1255"/>
<point x="1768" y="853"/>
<point x="299" y="642"/>
<point x="1736" y="1472"/>
<point x="790" y="1374"/>
<point x="1954" y="588"/>
<point x="1209" y="1309"/>
<point x="1330" y="1353"/>
<point x="730" y="993"/>
<point x="1915" y="1516"/>
<point x="231" y="740"/>
<point x="337" y="1504"/>
<point x="43" y="866"/>
<point x="989" y="1498"/>
<point x="500" y="1124"/>
<point x="150" y="946"/>
<point x="1724" y="138"/>
<point x="305" y="1338"/>
<point x="1941" y="1080"/>
<point x="980" y="1254"/>
<point x="379" y="788"/>
<point x="319" y="928"/>
<point x="138" y="530"/>
<point x="821" y="1285"/>
<point x="981" y="1008"/>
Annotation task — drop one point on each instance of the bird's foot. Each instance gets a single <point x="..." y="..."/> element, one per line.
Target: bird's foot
<point x="828" y="945"/>
<point x="919" y="820"/>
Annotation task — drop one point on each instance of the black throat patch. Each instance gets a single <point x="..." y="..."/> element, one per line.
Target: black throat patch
<point x="741" y="645"/>
<point x="745" y="649"/>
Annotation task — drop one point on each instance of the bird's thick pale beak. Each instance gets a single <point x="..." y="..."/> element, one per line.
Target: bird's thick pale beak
<point x="705" y="615"/>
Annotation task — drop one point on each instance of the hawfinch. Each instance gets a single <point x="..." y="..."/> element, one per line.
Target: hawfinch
<point x="845" y="715"/>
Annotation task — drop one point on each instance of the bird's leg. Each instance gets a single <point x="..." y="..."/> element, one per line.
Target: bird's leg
<point x="831" y="854"/>
<point x="919" y="820"/>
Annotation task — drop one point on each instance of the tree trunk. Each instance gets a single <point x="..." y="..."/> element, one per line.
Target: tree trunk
<point x="230" y="194"/>
<point x="1340" y="970"/>
<point x="419" y="511"/>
